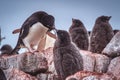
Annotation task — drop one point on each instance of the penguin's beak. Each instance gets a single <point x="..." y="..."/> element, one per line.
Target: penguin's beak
<point x="109" y="17"/>
<point x="55" y="30"/>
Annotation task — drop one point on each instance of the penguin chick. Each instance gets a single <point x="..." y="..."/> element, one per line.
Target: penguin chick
<point x="101" y="34"/>
<point x="67" y="58"/>
<point x="6" y="49"/>
<point x="33" y="30"/>
<point x="79" y="34"/>
<point x="2" y="75"/>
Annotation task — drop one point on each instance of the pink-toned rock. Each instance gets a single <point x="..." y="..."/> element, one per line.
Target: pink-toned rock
<point x="8" y="62"/>
<point x="15" y="74"/>
<point x="42" y="64"/>
<point x="114" y="67"/>
<point x="101" y="63"/>
<point x="51" y="69"/>
<point x="88" y="60"/>
<point x="86" y="75"/>
<point x="113" y="47"/>
<point x="32" y="63"/>
<point x="42" y="76"/>
<point x="49" y="56"/>
<point x="47" y="76"/>
<point x="94" y="62"/>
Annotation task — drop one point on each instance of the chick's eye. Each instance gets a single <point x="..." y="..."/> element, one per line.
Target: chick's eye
<point x="48" y="25"/>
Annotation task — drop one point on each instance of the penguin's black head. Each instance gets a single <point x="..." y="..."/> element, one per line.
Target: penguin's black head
<point x="76" y="22"/>
<point x="6" y="49"/>
<point x="115" y="31"/>
<point x="63" y="37"/>
<point x="49" y="22"/>
<point x="103" y="19"/>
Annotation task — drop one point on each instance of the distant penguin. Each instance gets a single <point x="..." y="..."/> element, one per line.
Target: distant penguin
<point x="115" y="31"/>
<point x="89" y="32"/>
<point x="67" y="58"/>
<point x="33" y="30"/>
<point x="1" y="38"/>
<point x="101" y="34"/>
<point x="6" y="49"/>
<point x="79" y="34"/>
<point x="2" y="75"/>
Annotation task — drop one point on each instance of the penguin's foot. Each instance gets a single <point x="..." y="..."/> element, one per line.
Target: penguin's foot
<point x="33" y="51"/>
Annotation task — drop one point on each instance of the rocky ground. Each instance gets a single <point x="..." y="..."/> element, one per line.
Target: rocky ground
<point x="40" y="66"/>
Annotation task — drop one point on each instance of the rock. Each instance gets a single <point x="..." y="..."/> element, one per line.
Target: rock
<point x="7" y="62"/>
<point x="88" y="60"/>
<point x="113" y="47"/>
<point x="15" y="74"/>
<point x="101" y="63"/>
<point x="42" y="76"/>
<point x="42" y="65"/>
<point x="49" y="56"/>
<point x="94" y="62"/>
<point x="51" y="68"/>
<point x="47" y="76"/>
<point x="114" y="67"/>
<point x="32" y="63"/>
<point x="87" y="75"/>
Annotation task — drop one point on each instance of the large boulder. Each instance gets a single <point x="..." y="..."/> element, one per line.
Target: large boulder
<point x="101" y="63"/>
<point x="51" y="73"/>
<point x="94" y="62"/>
<point x="48" y="53"/>
<point x="113" y="47"/>
<point x="114" y="67"/>
<point x="32" y="63"/>
<point x="88" y="60"/>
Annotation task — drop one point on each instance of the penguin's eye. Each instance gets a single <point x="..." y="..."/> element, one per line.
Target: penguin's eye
<point x="62" y="34"/>
<point x="48" y="25"/>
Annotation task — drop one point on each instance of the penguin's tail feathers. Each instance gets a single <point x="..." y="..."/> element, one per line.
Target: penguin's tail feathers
<point x="16" y="49"/>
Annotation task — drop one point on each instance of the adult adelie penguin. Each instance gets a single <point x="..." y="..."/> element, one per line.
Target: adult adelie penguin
<point x="79" y="34"/>
<point x="33" y="30"/>
<point x="101" y="34"/>
<point x="67" y="59"/>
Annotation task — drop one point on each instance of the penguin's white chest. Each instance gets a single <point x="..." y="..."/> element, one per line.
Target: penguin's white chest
<point x="36" y="33"/>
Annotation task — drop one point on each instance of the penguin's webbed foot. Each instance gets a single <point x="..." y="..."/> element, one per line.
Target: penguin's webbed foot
<point x="33" y="51"/>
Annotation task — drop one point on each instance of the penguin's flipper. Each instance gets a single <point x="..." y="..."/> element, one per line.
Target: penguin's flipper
<point x="16" y="31"/>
